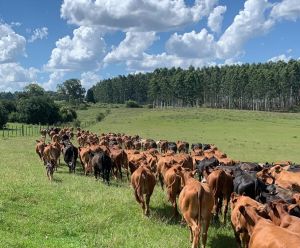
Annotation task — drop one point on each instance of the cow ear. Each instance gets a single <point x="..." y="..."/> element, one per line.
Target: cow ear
<point x="233" y="197"/>
<point x="37" y="141"/>
<point x="277" y="168"/>
<point x="242" y="209"/>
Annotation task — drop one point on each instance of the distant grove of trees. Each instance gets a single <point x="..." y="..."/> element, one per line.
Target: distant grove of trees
<point x="34" y="105"/>
<point x="270" y="86"/>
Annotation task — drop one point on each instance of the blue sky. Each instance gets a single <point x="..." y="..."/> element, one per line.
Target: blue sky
<point x="50" y="41"/>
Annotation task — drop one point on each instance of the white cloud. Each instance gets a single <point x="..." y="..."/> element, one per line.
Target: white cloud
<point x="39" y="33"/>
<point x="192" y="45"/>
<point x="250" y="22"/>
<point x="135" y="15"/>
<point x="215" y="19"/>
<point x="15" y="24"/>
<point x="282" y="57"/>
<point x="14" y="77"/>
<point x="287" y="9"/>
<point x="12" y="45"/>
<point x="150" y="62"/>
<point x="132" y="47"/>
<point x="88" y="79"/>
<point x="84" y="51"/>
<point x="55" y="78"/>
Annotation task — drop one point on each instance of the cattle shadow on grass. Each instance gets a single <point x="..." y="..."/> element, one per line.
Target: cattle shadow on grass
<point x="165" y="214"/>
<point x="57" y="180"/>
<point x="221" y="240"/>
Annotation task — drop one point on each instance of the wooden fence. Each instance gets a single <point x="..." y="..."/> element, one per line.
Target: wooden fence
<point x="18" y="130"/>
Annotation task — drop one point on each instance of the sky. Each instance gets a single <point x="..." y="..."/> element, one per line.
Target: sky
<point x="50" y="41"/>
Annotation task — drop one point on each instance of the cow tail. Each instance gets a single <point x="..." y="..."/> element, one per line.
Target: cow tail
<point x="200" y="198"/>
<point x="139" y="188"/>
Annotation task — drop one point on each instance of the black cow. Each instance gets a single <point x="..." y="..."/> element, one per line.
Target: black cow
<point x="70" y="155"/>
<point x="206" y="146"/>
<point x="248" y="166"/>
<point x="206" y="164"/>
<point x="172" y="146"/>
<point x="196" y="146"/>
<point x="102" y="165"/>
<point x="246" y="183"/>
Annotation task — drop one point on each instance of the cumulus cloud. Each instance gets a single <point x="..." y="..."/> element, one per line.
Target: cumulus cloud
<point x="287" y="9"/>
<point x="12" y="45"/>
<point x="281" y="57"/>
<point x="192" y="45"/>
<point x="85" y="50"/>
<point x="55" y="78"/>
<point x="150" y="62"/>
<point x="132" y="47"/>
<point x="215" y="18"/>
<point x="250" y="22"/>
<point x="14" y="77"/>
<point x="88" y="79"/>
<point x="133" y="15"/>
<point x="39" y="33"/>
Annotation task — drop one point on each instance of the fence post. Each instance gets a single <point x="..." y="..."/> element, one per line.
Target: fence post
<point x="22" y="130"/>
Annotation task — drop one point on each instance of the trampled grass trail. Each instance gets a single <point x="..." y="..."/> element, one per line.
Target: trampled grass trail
<point x="77" y="211"/>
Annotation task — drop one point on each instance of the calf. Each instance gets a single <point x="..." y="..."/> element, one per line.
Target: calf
<point x="50" y="169"/>
<point x="102" y="165"/>
<point x="195" y="203"/>
<point x="143" y="182"/>
<point x="70" y="153"/>
<point x="39" y="148"/>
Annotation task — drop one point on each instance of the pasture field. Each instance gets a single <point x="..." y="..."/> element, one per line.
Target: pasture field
<point x="77" y="211"/>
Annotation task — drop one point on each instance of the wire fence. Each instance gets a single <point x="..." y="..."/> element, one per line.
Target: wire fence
<point x="19" y="130"/>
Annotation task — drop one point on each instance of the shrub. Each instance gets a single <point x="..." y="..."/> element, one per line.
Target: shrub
<point x="132" y="104"/>
<point x="14" y="117"/>
<point x="37" y="109"/>
<point x="67" y="114"/>
<point x="76" y="123"/>
<point x="3" y="116"/>
<point x="100" y="116"/>
<point x="150" y="106"/>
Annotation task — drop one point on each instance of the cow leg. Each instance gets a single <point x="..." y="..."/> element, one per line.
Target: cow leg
<point x="225" y="206"/>
<point x="204" y="225"/>
<point x="194" y="230"/>
<point x="237" y="237"/>
<point x="161" y="179"/>
<point x="147" y="204"/>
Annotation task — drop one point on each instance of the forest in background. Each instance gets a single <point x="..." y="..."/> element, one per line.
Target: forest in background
<point x="272" y="86"/>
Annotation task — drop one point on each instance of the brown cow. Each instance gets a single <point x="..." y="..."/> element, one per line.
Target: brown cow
<point x="52" y="153"/>
<point x="84" y="155"/>
<point x="221" y="185"/>
<point x="265" y="234"/>
<point x="119" y="159"/>
<point x="285" y="179"/>
<point x="143" y="182"/>
<point x="174" y="181"/>
<point x="238" y="221"/>
<point x="282" y="218"/>
<point x="39" y="148"/>
<point x="195" y="203"/>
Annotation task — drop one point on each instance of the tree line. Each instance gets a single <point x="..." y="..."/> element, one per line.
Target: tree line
<point x="272" y="86"/>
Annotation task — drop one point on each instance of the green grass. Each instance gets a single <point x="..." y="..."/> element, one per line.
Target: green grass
<point x="77" y="211"/>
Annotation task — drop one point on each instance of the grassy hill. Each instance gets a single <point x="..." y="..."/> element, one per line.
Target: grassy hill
<point x="77" y="211"/>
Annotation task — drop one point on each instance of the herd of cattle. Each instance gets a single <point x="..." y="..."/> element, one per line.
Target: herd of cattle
<point x="264" y="198"/>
